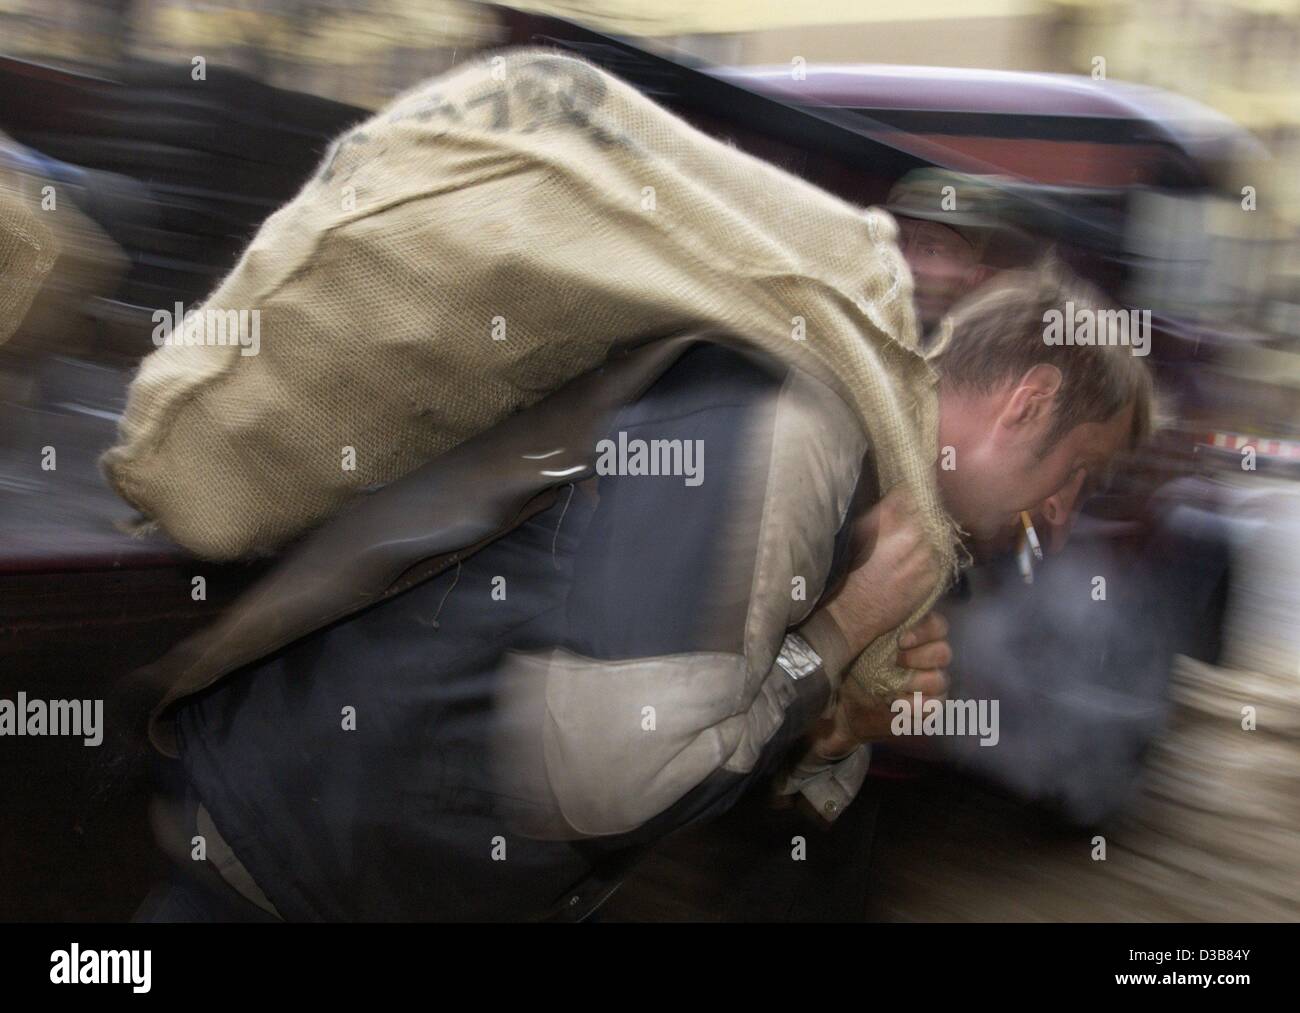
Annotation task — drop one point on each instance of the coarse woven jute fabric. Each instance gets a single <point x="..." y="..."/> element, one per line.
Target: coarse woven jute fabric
<point x="28" y="248"/>
<point x="492" y="234"/>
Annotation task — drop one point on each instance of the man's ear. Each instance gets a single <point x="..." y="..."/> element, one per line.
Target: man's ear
<point x="1032" y="397"/>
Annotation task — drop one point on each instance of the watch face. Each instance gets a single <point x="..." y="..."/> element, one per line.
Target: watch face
<point x="797" y="657"/>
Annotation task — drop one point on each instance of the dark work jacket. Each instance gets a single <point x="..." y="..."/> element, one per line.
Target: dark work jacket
<point x="499" y="740"/>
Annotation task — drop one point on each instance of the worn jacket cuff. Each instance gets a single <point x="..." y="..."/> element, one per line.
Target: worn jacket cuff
<point x="829" y="786"/>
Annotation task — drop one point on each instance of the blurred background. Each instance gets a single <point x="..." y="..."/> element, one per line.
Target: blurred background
<point x="1154" y="146"/>
<point x="1237" y="58"/>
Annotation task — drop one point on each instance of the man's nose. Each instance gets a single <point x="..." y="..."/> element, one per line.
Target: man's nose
<point x="1057" y="511"/>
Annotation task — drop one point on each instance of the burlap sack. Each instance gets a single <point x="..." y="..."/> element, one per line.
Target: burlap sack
<point x="473" y="246"/>
<point x="55" y="259"/>
<point x="28" y="247"/>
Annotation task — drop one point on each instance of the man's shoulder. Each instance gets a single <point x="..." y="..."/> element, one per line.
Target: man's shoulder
<point x="711" y="377"/>
<point x="711" y="374"/>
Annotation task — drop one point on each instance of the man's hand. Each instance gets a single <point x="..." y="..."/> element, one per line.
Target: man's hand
<point x="894" y="570"/>
<point x="861" y="717"/>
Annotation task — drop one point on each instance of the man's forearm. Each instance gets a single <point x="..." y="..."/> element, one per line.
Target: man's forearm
<point x="823" y="633"/>
<point x="829" y="783"/>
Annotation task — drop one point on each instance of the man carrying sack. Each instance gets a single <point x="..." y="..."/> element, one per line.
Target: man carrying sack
<point x="660" y="564"/>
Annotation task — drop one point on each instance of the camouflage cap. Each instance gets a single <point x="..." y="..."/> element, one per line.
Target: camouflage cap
<point x="977" y="207"/>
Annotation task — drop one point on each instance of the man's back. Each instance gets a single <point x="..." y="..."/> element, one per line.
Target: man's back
<point x="495" y="742"/>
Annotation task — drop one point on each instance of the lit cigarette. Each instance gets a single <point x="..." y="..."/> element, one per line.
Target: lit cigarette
<point x="1023" y="558"/>
<point x="1031" y="535"/>
<point x="1027" y="548"/>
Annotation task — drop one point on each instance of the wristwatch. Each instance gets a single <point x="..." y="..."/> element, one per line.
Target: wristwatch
<point x="797" y="657"/>
<point x="799" y="660"/>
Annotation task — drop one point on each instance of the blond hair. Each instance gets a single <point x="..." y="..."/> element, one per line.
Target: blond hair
<point x="997" y="334"/>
